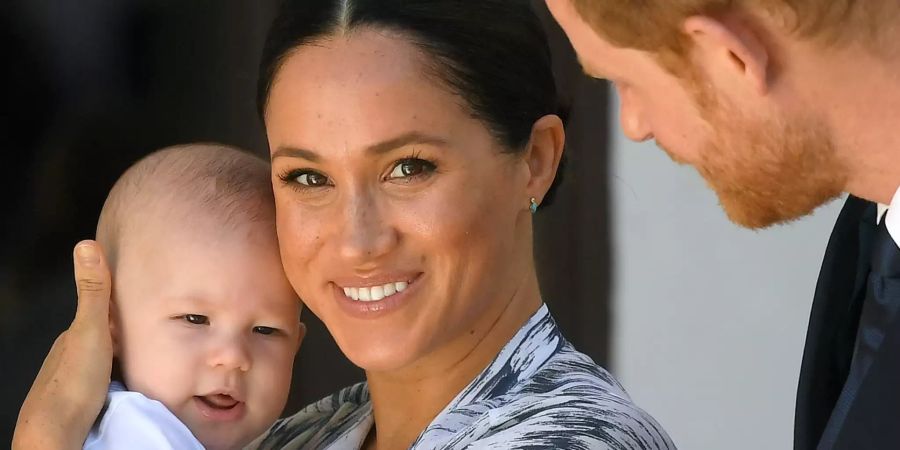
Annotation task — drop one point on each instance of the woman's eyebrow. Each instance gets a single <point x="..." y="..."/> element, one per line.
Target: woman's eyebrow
<point x="412" y="137"/>
<point x="409" y="138"/>
<point x="294" y="152"/>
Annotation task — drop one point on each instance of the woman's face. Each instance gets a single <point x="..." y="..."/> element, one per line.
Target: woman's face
<point x="402" y="225"/>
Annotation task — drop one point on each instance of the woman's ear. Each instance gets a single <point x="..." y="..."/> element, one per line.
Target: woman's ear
<point x="730" y="51"/>
<point x="545" y="150"/>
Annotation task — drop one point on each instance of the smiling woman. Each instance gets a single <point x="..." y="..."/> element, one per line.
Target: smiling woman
<point x="409" y="141"/>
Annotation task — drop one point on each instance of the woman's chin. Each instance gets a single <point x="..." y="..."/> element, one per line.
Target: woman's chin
<point x="375" y="354"/>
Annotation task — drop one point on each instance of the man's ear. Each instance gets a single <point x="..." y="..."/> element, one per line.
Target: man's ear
<point x="545" y="150"/>
<point x="731" y="52"/>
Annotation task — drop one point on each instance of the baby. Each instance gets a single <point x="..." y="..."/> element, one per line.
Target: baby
<point x="205" y="325"/>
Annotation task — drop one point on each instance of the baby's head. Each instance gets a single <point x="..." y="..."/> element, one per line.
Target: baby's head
<point x="203" y="318"/>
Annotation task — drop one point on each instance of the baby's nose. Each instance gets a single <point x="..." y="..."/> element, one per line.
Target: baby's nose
<point x="232" y="354"/>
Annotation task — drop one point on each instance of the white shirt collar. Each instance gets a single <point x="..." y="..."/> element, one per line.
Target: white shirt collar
<point x="892" y="219"/>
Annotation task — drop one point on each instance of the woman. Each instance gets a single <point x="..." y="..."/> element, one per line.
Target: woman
<point x="411" y="142"/>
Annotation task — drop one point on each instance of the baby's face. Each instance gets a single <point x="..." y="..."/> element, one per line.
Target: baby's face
<point x="206" y="322"/>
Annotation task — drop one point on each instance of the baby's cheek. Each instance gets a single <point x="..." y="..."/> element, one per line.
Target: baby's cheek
<point x="273" y="380"/>
<point x="160" y="366"/>
<point x="155" y="378"/>
<point x="282" y="378"/>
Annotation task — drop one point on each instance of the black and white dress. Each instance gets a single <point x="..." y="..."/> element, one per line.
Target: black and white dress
<point x="538" y="393"/>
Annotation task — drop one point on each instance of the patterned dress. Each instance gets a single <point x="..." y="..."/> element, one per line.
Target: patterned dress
<point x="538" y="393"/>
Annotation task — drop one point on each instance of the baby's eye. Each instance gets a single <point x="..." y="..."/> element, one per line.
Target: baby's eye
<point x="196" y="319"/>
<point x="266" y="331"/>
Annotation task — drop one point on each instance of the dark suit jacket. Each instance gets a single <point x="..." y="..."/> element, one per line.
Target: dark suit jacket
<point x="873" y="420"/>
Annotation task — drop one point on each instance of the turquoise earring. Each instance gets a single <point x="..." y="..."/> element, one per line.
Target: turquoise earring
<point x="534" y="205"/>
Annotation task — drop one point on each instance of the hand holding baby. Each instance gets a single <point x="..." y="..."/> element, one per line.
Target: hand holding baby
<point x="70" y="389"/>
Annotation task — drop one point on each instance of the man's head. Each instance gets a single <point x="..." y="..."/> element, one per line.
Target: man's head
<point x="728" y="87"/>
<point x="204" y="319"/>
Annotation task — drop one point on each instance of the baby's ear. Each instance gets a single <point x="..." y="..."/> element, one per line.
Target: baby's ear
<point x="301" y="333"/>
<point x="115" y="331"/>
<point x="115" y="326"/>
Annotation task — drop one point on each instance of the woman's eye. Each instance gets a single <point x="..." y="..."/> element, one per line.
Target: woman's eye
<point x="312" y="179"/>
<point x="266" y="331"/>
<point x="411" y="167"/>
<point x="196" y="319"/>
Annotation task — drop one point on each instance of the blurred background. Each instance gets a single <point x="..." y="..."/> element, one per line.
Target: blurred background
<point x="703" y="322"/>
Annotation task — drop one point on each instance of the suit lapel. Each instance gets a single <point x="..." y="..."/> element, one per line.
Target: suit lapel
<point x="873" y="420"/>
<point x="833" y="319"/>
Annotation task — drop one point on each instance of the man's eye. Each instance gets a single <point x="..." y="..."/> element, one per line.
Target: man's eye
<point x="410" y="168"/>
<point x="196" y="319"/>
<point x="312" y="179"/>
<point x="265" y="330"/>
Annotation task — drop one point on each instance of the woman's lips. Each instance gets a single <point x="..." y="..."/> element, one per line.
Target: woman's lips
<point x="220" y="407"/>
<point x="372" y="298"/>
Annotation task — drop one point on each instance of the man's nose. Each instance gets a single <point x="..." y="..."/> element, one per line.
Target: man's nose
<point x="631" y="116"/>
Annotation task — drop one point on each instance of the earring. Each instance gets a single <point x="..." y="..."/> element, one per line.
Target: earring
<point x="534" y="205"/>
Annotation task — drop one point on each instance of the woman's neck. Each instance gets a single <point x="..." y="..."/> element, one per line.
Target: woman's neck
<point x="407" y="400"/>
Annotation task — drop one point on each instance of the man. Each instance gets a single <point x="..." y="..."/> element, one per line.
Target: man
<point x="782" y="105"/>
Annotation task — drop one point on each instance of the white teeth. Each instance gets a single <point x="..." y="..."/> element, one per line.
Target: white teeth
<point x="375" y="293"/>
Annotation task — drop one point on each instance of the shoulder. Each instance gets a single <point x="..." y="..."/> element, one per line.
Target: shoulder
<point x="578" y="404"/>
<point x="131" y="420"/>
<point x="581" y="417"/>
<point x="320" y="424"/>
<point x="543" y="394"/>
<point x="846" y="227"/>
<point x="585" y="418"/>
<point x="571" y="402"/>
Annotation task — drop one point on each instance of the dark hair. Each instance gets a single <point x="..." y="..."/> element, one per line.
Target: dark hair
<point x="492" y="53"/>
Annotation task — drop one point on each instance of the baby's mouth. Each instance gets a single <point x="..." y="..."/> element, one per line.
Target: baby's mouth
<point x="218" y="401"/>
<point x="221" y="407"/>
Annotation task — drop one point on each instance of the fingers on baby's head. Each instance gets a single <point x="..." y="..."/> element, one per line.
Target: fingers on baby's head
<point x="186" y="185"/>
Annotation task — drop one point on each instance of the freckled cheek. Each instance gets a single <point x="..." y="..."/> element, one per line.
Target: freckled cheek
<point x="301" y="238"/>
<point x="448" y="229"/>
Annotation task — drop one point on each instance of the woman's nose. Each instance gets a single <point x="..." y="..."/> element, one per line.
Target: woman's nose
<point x="366" y="233"/>
<point x="631" y="116"/>
<point x="230" y="353"/>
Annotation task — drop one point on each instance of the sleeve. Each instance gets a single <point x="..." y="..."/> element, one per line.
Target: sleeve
<point x="135" y="422"/>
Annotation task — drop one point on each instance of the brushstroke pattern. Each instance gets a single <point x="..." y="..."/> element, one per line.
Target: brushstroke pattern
<point x="538" y="393"/>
